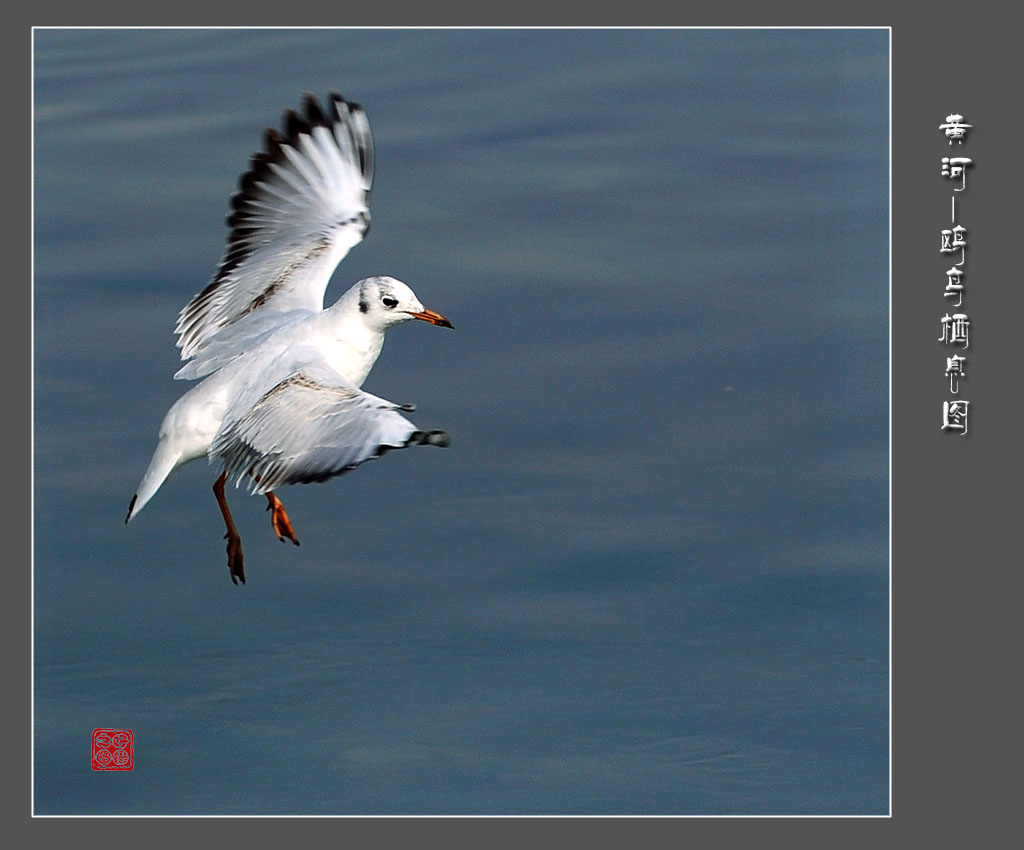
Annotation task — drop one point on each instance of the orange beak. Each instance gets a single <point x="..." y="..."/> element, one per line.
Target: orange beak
<point x="433" y="318"/>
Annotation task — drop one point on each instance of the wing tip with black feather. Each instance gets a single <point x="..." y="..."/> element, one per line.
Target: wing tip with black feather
<point x="199" y="319"/>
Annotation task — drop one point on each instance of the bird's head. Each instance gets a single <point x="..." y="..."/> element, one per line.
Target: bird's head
<point x="385" y="301"/>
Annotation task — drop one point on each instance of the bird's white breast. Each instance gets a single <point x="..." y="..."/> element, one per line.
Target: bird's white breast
<point x="348" y="345"/>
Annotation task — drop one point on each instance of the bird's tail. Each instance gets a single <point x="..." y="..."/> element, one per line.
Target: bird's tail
<point x="163" y="464"/>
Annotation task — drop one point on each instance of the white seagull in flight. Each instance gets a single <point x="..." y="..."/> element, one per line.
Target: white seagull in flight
<point x="280" y="402"/>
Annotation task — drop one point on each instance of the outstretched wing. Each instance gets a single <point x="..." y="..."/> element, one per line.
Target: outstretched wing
<point x="303" y="203"/>
<point x="308" y="427"/>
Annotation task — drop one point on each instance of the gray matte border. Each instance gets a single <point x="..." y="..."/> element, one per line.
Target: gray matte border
<point x="953" y="629"/>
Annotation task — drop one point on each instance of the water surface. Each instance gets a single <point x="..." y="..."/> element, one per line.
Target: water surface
<point x="650" y="576"/>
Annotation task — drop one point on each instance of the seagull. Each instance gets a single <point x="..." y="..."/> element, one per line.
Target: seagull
<point x="280" y="400"/>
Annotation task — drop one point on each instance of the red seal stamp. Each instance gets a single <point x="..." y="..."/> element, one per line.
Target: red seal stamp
<point x="113" y="749"/>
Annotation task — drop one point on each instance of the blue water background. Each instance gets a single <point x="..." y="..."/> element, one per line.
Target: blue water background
<point x="650" y="576"/>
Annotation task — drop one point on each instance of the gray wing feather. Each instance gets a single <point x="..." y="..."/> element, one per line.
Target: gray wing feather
<point x="303" y="203"/>
<point x="236" y="340"/>
<point x="310" y="426"/>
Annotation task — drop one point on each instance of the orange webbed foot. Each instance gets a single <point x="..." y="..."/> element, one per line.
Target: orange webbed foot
<point x="236" y="561"/>
<point x="279" y="520"/>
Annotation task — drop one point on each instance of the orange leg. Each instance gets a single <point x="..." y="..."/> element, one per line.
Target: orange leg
<point x="235" y="560"/>
<point x="279" y="519"/>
